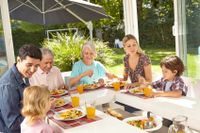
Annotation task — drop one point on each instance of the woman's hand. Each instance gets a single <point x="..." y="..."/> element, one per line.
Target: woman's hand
<point x="141" y="80"/>
<point x="128" y="86"/>
<point x="88" y="73"/>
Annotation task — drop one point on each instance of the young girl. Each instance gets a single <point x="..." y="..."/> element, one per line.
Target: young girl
<point x="171" y="84"/>
<point x="137" y="64"/>
<point x="36" y="103"/>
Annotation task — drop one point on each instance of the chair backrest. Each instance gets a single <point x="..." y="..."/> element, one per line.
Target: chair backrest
<point x="193" y="87"/>
<point x="65" y="76"/>
<point x="197" y="89"/>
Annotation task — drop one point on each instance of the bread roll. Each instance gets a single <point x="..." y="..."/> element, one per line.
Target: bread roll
<point x="114" y="113"/>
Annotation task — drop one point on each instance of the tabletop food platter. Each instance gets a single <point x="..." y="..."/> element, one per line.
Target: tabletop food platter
<point x="136" y="90"/>
<point x="142" y="122"/>
<point x="91" y="86"/>
<point x="109" y="84"/>
<point x="69" y="114"/>
<point x="58" y="92"/>
<point x="59" y="102"/>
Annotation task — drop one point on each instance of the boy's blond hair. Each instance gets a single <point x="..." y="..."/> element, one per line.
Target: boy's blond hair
<point x="129" y="37"/>
<point x="35" y="102"/>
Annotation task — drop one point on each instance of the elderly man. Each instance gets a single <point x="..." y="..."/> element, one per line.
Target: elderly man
<point x="12" y="85"/>
<point x="47" y="74"/>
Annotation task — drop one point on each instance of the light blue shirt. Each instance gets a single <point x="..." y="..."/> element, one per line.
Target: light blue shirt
<point x="79" y="67"/>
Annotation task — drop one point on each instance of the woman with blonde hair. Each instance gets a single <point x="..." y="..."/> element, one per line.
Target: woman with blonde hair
<point x="36" y="104"/>
<point x="137" y="65"/>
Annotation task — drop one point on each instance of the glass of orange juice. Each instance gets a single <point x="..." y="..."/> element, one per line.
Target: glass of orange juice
<point x="80" y="88"/>
<point x="75" y="99"/>
<point x="91" y="111"/>
<point x="148" y="91"/>
<point x="116" y="86"/>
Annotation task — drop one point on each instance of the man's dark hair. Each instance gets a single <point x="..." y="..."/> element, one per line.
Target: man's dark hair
<point x="31" y="51"/>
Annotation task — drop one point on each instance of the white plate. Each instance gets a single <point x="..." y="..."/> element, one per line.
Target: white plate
<point x="157" y="120"/>
<point x="135" y="89"/>
<point x="91" y="86"/>
<point x="65" y="92"/>
<point x="65" y="102"/>
<point x="57" y="117"/>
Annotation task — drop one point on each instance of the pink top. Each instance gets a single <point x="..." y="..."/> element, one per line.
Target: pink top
<point x="39" y="127"/>
<point x="53" y="79"/>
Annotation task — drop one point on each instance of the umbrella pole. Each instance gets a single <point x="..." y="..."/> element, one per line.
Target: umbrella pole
<point x="45" y="32"/>
<point x="90" y="27"/>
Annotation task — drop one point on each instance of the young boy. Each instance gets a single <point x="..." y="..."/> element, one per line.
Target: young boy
<point x="171" y="84"/>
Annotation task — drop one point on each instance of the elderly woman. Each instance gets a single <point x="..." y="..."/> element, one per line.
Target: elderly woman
<point x="47" y="74"/>
<point x="87" y="70"/>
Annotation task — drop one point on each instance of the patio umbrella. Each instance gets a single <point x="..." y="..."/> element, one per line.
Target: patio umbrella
<point x="49" y="12"/>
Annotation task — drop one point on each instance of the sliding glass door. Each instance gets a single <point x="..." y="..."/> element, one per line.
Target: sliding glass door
<point x="187" y="34"/>
<point x="193" y="37"/>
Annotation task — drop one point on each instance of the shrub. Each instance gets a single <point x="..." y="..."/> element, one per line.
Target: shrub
<point x="67" y="49"/>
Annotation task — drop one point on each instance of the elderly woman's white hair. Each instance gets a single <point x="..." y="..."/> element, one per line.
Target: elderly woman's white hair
<point x="90" y="46"/>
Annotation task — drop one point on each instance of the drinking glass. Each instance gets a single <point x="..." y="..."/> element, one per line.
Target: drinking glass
<point x="91" y="111"/>
<point x="75" y="99"/>
<point x="148" y="91"/>
<point x="116" y="86"/>
<point x="80" y="88"/>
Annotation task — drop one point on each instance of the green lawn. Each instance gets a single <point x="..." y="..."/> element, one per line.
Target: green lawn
<point x="156" y="55"/>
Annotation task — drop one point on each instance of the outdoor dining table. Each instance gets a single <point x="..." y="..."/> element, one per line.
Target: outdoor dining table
<point x="163" y="106"/>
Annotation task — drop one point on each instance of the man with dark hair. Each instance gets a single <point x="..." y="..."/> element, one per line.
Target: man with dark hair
<point x="12" y="85"/>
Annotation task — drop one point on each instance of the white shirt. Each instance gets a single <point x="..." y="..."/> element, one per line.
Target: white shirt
<point x="53" y="79"/>
<point x="168" y="85"/>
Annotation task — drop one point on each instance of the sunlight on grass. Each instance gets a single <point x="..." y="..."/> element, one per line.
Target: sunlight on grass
<point x="193" y="65"/>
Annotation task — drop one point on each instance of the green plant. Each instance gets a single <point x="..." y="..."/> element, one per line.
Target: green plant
<point x="104" y="53"/>
<point x="67" y="49"/>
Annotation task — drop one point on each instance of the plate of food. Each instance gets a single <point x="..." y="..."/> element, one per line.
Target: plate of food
<point x="148" y="124"/>
<point x="136" y="90"/>
<point x="59" y="102"/>
<point x="69" y="114"/>
<point x="91" y="86"/>
<point x="58" y="92"/>
<point x="110" y="83"/>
